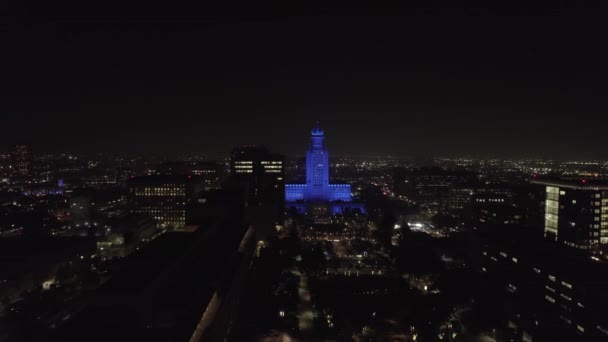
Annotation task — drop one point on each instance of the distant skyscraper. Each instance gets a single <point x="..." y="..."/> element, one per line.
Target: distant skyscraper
<point x="22" y="159"/>
<point x="164" y="198"/>
<point x="576" y="212"/>
<point x="317" y="188"/>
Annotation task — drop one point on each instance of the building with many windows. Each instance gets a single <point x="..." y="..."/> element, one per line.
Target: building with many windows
<point x="576" y="212"/>
<point x="164" y="198"/>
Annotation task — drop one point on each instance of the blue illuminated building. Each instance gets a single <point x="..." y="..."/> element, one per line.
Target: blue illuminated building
<point x="317" y="188"/>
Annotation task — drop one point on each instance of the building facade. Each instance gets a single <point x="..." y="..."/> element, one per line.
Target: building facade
<point x="164" y="198"/>
<point x="263" y="175"/>
<point x="576" y="213"/>
<point x="318" y="188"/>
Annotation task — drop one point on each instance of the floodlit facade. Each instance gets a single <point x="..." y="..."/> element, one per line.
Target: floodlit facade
<point x="317" y="188"/>
<point x="576" y="213"/>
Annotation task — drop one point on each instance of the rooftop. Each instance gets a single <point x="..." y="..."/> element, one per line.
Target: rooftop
<point x="574" y="183"/>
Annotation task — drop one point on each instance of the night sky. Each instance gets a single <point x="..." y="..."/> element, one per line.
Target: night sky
<point x="442" y="80"/>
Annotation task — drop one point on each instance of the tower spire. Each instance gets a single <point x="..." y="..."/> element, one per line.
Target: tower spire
<point x="317" y="131"/>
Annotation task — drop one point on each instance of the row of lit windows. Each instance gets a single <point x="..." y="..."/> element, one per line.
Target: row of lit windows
<point x="164" y="194"/>
<point x="163" y="190"/>
<point x="551" y="205"/>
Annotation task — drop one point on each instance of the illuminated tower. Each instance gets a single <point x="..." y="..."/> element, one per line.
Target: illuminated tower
<point x="317" y="167"/>
<point x="317" y="188"/>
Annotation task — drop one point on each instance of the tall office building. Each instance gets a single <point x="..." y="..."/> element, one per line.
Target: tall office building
<point x="22" y="159"/>
<point x="262" y="172"/>
<point x="576" y="212"/>
<point x="164" y="198"/>
<point x="317" y="188"/>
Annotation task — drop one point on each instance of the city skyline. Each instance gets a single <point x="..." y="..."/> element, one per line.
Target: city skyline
<point x="271" y="171"/>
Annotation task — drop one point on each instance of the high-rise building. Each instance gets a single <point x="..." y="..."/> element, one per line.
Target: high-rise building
<point x="317" y="188"/>
<point x="164" y="198"/>
<point x="262" y="173"/>
<point x="576" y="212"/>
<point x="22" y="159"/>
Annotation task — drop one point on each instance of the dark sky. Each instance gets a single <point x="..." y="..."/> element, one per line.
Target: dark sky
<point x="439" y="80"/>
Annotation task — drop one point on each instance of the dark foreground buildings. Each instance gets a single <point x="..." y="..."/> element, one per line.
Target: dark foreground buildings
<point x="182" y="286"/>
<point x="550" y="281"/>
<point x="543" y="290"/>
